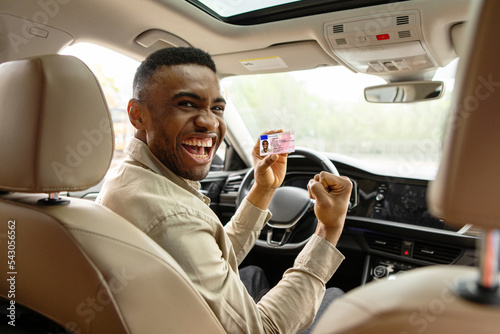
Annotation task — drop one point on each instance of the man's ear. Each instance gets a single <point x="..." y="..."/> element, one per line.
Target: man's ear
<point x="137" y="114"/>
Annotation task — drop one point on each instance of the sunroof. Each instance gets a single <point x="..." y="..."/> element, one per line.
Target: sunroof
<point x="226" y="8"/>
<point x="248" y="12"/>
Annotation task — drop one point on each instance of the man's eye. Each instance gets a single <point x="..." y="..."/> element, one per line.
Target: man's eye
<point x="218" y="110"/>
<point x="187" y="104"/>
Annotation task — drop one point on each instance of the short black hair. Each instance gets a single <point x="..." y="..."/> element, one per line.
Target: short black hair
<point x="168" y="57"/>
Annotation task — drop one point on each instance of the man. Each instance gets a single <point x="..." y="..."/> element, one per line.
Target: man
<point x="265" y="145"/>
<point x="177" y="111"/>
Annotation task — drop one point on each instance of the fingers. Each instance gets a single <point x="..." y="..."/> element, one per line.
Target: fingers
<point x="315" y="186"/>
<point x="316" y="190"/>
<point x="325" y="183"/>
<point x="269" y="160"/>
<point x="256" y="149"/>
<point x="272" y="131"/>
<point x="332" y="195"/>
<point x="331" y="182"/>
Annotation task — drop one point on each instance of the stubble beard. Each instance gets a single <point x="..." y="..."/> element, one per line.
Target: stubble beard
<point x="170" y="159"/>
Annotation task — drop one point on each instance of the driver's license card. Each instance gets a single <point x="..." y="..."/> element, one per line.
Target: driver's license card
<point x="277" y="143"/>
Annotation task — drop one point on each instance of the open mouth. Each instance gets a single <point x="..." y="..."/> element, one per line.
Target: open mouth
<point x="199" y="148"/>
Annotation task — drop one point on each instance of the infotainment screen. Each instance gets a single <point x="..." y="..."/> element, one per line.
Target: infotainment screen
<point x="406" y="204"/>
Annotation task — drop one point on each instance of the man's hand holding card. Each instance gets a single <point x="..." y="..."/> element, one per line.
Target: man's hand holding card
<point x="270" y="168"/>
<point x="269" y="173"/>
<point x="277" y="143"/>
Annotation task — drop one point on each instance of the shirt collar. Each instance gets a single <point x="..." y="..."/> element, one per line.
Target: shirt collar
<point x="139" y="151"/>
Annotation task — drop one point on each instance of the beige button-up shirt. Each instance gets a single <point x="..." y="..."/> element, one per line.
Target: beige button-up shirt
<point x="178" y="217"/>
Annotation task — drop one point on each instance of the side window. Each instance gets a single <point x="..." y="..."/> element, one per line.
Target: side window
<point x="123" y="131"/>
<point x="115" y="73"/>
<point x="219" y="159"/>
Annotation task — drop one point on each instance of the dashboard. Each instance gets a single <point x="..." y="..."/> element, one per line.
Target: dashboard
<point x="378" y="197"/>
<point x="403" y="201"/>
<point x="388" y="229"/>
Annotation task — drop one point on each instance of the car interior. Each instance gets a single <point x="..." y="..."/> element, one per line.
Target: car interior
<point x="421" y="244"/>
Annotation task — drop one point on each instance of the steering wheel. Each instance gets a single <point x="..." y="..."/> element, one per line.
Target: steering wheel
<point x="290" y="206"/>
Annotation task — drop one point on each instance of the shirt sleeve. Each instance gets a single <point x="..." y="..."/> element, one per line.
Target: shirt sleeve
<point x="244" y="228"/>
<point x="205" y="254"/>
<point x="290" y="307"/>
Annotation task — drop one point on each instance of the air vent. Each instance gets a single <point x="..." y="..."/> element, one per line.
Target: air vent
<point x="233" y="183"/>
<point x="341" y="41"/>
<point x="337" y="29"/>
<point x="435" y="253"/>
<point x="401" y="20"/>
<point x="384" y="243"/>
<point x="404" y="34"/>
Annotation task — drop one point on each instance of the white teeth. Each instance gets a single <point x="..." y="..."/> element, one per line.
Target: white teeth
<point x="203" y="142"/>
<point x="200" y="156"/>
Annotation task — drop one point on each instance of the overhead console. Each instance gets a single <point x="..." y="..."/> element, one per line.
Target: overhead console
<point x="389" y="45"/>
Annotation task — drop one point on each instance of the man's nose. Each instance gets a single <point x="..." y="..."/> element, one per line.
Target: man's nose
<point x="206" y="119"/>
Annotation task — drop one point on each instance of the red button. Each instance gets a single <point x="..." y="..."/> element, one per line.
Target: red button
<point x="382" y="37"/>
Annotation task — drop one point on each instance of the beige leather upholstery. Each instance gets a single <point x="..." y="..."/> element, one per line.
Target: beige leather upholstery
<point x="54" y="275"/>
<point x="419" y="301"/>
<point x="467" y="186"/>
<point x="56" y="131"/>
<point x="79" y="264"/>
<point x="466" y="191"/>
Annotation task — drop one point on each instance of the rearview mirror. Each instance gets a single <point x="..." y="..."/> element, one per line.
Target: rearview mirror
<point x="404" y="92"/>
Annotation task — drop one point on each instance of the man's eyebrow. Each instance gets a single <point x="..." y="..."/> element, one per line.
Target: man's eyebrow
<point x="220" y="99"/>
<point x="187" y="94"/>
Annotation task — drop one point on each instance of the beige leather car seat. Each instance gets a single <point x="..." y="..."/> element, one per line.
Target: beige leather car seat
<point x="449" y="299"/>
<point x="76" y="262"/>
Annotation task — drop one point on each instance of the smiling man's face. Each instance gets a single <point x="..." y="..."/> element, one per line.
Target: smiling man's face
<point x="186" y="123"/>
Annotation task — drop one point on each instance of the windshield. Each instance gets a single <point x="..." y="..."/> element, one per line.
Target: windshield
<point x="326" y="109"/>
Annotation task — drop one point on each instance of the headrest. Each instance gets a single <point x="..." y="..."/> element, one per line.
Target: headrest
<point x="467" y="186"/>
<point x="55" y="128"/>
